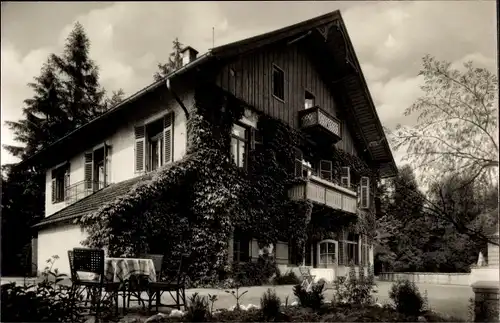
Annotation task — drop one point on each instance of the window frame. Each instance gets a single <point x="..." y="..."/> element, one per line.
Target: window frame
<point x="149" y="138"/>
<point x="158" y="140"/>
<point x="237" y="243"/>
<point x="352" y="247"/>
<point x="306" y="92"/>
<point x="238" y="139"/>
<point x="59" y="175"/>
<point x="276" y="68"/>
<point x="327" y="253"/>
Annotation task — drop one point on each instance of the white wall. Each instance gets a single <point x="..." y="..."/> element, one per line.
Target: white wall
<point x="462" y="279"/>
<point x="122" y="150"/>
<point x="57" y="241"/>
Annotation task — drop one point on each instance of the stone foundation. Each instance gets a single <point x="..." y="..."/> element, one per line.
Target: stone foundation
<point x="486" y="301"/>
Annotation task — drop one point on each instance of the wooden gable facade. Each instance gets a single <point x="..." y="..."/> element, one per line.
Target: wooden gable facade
<point x="250" y="78"/>
<point x="316" y="56"/>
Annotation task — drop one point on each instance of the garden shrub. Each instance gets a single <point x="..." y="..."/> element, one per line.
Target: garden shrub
<point x="254" y="273"/>
<point x="46" y="301"/>
<point x="407" y="298"/>
<point x="270" y="305"/>
<point x="354" y="290"/>
<point x="287" y="279"/>
<point x="197" y="309"/>
<point x="311" y="299"/>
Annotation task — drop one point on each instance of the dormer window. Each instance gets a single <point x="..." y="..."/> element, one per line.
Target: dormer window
<point x="308" y="100"/>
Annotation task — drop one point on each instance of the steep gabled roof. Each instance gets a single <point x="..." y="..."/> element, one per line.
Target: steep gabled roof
<point x="339" y="50"/>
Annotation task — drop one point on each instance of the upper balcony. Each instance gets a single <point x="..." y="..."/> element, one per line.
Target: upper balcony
<point x="82" y="189"/>
<point x="327" y="193"/>
<point x="317" y="121"/>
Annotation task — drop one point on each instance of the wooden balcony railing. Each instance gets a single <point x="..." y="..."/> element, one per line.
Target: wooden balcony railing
<point x="324" y="192"/>
<point x="82" y="189"/>
<point x="316" y="119"/>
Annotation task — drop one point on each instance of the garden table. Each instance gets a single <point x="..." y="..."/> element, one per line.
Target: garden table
<point x="120" y="269"/>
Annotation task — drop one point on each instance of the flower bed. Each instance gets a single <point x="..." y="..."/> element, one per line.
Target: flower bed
<point x="353" y="302"/>
<point x="327" y="313"/>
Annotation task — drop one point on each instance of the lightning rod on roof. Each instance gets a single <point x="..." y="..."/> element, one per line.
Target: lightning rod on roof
<point x="213" y="37"/>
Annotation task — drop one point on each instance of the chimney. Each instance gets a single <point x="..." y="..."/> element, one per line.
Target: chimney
<point x="188" y="55"/>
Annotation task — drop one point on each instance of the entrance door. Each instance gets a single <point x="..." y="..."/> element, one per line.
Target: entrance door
<point x="327" y="254"/>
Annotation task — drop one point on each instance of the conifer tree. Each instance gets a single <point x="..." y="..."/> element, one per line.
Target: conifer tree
<point x="174" y="61"/>
<point x="83" y="95"/>
<point x="67" y="95"/>
<point x="115" y="98"/>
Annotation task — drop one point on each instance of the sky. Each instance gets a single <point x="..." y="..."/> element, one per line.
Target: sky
<point x="128" y="39"/>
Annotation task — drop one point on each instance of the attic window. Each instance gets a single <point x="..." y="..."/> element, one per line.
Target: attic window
<point x="278" y="83"/>
<point x="309" y="100"/>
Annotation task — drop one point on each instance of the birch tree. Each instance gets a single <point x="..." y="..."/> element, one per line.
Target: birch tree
<point x="456" y="129"/>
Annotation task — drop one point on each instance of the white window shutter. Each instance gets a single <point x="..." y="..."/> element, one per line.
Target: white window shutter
<point x="325" y="169"/>
<point x="66" y="181"/>
<point x="345" y="177"/>
<point x="107" y="164"/>
<point x="168" y="138"/>
<point x="53" y="187"/>
<point x="88" y="170"/>
<point x="365" y="192"/>
<point x="140" y="149"/>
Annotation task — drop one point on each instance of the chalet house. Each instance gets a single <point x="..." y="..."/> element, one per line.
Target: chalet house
<point x="306" y="75"/>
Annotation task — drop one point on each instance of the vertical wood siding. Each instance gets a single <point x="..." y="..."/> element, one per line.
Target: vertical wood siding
<point x="252" y="83"/>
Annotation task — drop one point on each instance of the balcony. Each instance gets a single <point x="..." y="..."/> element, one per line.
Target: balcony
<point x="82" y="189"/>
<point x="327" y="193"/>
<point x="317" y="121"/>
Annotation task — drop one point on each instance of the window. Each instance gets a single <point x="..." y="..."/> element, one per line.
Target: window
<point x="241" y="247"/>
<point x="154" y="132"/>
<point x="365" y="251"/>
<point x="309" y="100"/>
<point x="96" y="171"/>
<point x="302" y="168"/>
<point x="326" y="169"/>
<point x="352" y="243"/>
<point x="364" y="192"/>
<point x="278" y="83"/>
<point x="239" y="145"/>
<point x="60" y="181"/>
<point x="154" y="144"/>
<point x="328" y="252"/>
<point x="345" y="177"/>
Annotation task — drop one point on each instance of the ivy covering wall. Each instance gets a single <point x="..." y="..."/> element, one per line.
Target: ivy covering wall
<point x="191" y="206"/>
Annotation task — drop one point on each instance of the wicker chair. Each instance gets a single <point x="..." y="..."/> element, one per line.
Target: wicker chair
<point x="76" y="289"/>
<point x="92" y="261"/>
<point x="175" y="282"/>
<point x="139" y="284"/>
